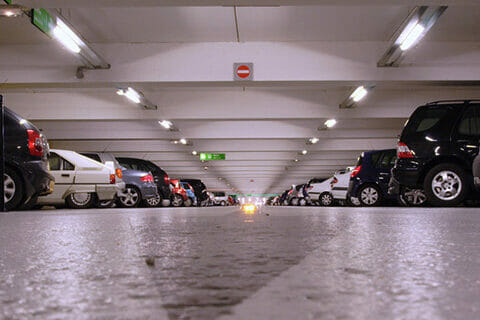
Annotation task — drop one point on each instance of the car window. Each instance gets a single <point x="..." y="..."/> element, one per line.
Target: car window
<point x="424" y="119"/>
<point x="67" y="165"/>
<point x="54" y="162"/>
<point x="93" y="156"/>
<point x="470" y="122"/>
<point x="375" y="157"/>
<point x="388" y="160"/>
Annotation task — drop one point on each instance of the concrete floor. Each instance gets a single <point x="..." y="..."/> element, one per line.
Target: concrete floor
<point x="280" y="263"/>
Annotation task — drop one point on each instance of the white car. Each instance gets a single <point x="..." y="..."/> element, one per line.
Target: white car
<point x="322" y="192"/>
<point x="80" y="181"/>
<point x="339" y="186"/>
<point x="220" y="198"/>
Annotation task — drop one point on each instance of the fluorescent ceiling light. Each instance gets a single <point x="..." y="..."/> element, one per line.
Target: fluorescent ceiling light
<point x="183" y="141"/>
<point x="296" y="160"/>
<point x="137" y="97"/>
<point x="359" y="94"/>
<point x="313" y="140"/>
<point x="194" y="152"/>
<point x="304" y="152"/>
<point x="420" y="20"/>
<point x="66" y="36"/>
<point x="330" y="123"/>
<point x="11" y="10"/>
<point x="166" y="124"/>
<point x="412" y="37"/>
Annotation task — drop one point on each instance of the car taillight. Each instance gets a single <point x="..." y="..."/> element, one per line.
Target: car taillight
<point x="167" y="180"/>
<point x="112" y="179"/>
<point x="147" y="178"/>
<point x="35" y="143"/>
<point x="118" y="171"/>
<point x="355" y="171"/>
<point x="403" y="152"/>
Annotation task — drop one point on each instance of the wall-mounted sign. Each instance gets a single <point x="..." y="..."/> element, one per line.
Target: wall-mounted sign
<point x="8" y="1"/>
<point x="212" y="156"/>
<point x="44" y="21"/>
<point x="243" y="71"/>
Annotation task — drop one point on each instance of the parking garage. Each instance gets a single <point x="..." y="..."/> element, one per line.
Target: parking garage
<point x="240" y="159"/>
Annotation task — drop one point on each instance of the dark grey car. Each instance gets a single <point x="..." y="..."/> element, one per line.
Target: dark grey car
<point x="140" y="187"/>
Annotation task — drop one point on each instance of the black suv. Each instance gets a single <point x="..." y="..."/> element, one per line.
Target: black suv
<point x="436" y="150"/>
<point x="26" y="166"/>
<point x="159" y="176"/>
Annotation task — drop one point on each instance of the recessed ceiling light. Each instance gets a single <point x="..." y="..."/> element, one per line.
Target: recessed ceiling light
<point x="330" y="123"/>
<point x="313" y="140"/>
<point x="296" y="160"/>
<point x="304" y="152"/>
<point x="166" y="124"/>
<point x="183" y="141"/>
<point x="194" y="152"/>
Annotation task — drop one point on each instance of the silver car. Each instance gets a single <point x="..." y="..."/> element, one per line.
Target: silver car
<point x="140" y="187"/>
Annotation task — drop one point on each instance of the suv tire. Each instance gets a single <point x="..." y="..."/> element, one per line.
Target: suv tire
<point x="445" y="185"/>
<point x="13" y="189"/>
<point x="369" y="195"/>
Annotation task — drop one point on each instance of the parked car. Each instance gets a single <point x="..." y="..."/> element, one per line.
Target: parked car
<point x="436" y="151"/>
<point x="160" y="177"/>
<point x="190" y="192"/>
<point x="476" y="172"/>
<point x="321" y="192"/>
<point x="200" y="191"/>
<point x="179" y="194"/>
<point x="339" y="185"/>
<point x="139" y="185"/>
<point x="220" y="198"/>
<point x="26" y="174"/>
<point x="369" y="180"/>
<point x="80" y="181"/>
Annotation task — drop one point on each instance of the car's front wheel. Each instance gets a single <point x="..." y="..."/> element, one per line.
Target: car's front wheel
<point x="445" y="185"/>
<point x="369" y="196"/>
<point x="188" y="202"/>
<point x="130" y="198"/>
<point x="153" y="201"/>
<point x="80" y="200"/>
<point x="13" y="189"/>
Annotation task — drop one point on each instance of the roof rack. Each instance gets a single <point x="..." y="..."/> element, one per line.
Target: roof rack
<point x="453" y="101"/>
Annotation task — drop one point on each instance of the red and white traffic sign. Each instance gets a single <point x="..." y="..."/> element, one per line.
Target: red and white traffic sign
<point x="243" y="71"/>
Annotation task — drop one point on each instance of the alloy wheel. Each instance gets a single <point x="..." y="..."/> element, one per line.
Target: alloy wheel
<point x="446" y="185"/>
<point x="415" y="197"/>
<point x="130" y="197"/>
<point x="9" y="188"/>
<point x="154" y="201"/>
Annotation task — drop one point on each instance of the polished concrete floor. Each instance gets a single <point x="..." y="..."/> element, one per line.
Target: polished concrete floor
<point x="219" y="263"/>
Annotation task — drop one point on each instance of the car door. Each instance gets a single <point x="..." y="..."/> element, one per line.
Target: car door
<point x="467" y="134"/>
<point x="64" y="174"/>
<point x="384" y="166"/>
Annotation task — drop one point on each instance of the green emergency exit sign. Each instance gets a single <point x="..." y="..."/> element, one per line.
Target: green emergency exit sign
<point x="212" y="156"/>
<point x="8" y="1"/>
<point x="44" y="21"/>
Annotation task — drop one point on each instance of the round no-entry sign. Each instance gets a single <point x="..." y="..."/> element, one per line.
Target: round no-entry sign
<point x="243" y="71"/>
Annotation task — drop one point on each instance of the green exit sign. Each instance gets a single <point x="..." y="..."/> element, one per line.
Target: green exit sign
<point x="8" y="1"/>
<point x="44" y="21"/>
<point x="212" y="156"/>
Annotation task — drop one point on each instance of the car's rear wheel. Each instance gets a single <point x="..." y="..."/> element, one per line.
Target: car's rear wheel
<point x="294" y="202"/>
<point x="445" y="185"/>
<point x="130" y="198"/>
<point x="188" y="202"/>
<point x="369" y="196"/>
<point x="13" y="189"/>
<point x="223" y="203"/>
<point x="302" y="202"/>
<point x="177" y="200"/>
<point x="80" y="200"/>
<point x="326" y="199"/>
<point x="412" y="197"/>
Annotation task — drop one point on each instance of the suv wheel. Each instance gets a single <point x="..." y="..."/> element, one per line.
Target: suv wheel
<point x="130" y="198"/>
<point x="445" y="185"/>
<point x="369" y="196"/>
<point x="326" y="199"/>
<point x="412" y="197"/>
<point x="80" y="200"/>
<point x="12" y="188"/>
<point x="153" y="201"/>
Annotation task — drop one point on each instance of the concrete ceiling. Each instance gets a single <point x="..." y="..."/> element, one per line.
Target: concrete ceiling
<point x="307" y="59"/>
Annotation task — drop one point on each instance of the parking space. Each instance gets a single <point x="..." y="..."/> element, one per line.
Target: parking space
<point x="239" y="159"/>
